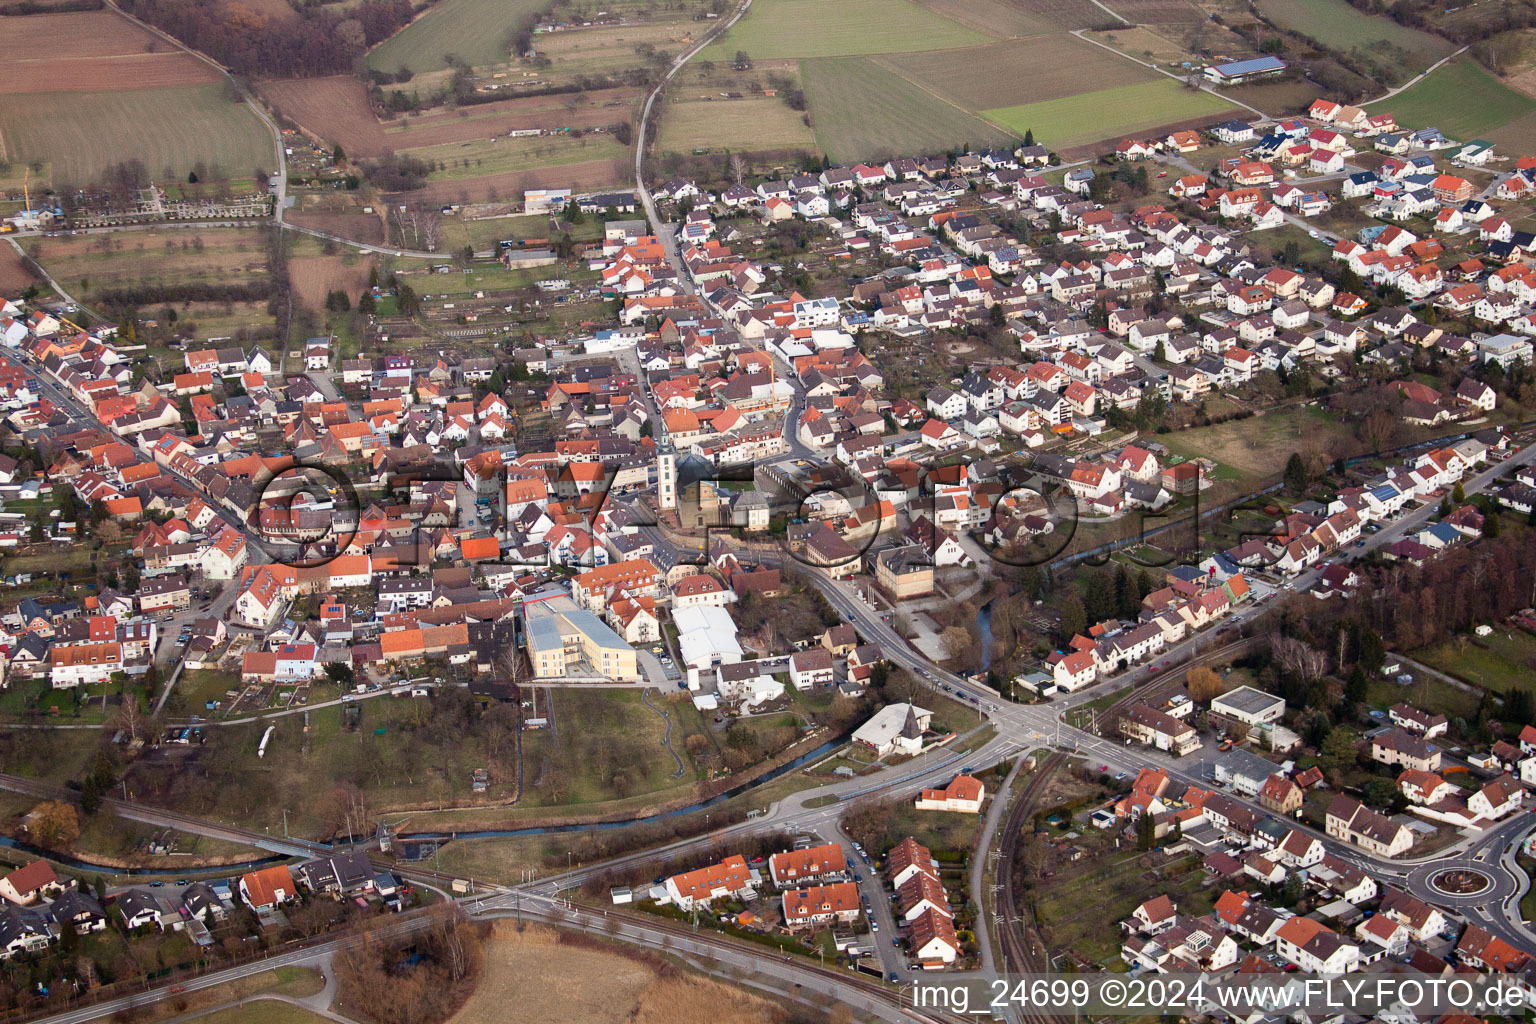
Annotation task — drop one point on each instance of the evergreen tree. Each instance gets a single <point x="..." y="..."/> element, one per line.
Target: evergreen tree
<point x="1146" y="831"/>
<point x="1099" y="602"/>
<point x="1127" y="594"/>
<point x="1296" y="477"/>
<point x="1074" y="619"/>
<point x="1029" y="136"/>
<point x="127" y="328"/>
<point x="408" y="302"/>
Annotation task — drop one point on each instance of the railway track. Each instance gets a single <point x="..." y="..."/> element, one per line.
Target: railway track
<point x="1022" y="952"/>
<point x="1159" y="685"/>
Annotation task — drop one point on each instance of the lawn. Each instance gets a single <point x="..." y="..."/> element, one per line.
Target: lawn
<point x="473" y="31"/>
<point x="1258" y="447"/>
<point x="605" y="745"/>
<point x="1528" y="901"/>
<point x="170" y="130"/>
<point x="1399" y="51"/>
<point x="754" y="123"/>
<point x="1462" y="99"/>
<point x="1107" y="113"/>
<point x="862" y="110"/>
<point x="814" y="28"/>
<point x="1499" y="662"/>
<point x="1425" y="691"/>
<point x="457" y="161"/>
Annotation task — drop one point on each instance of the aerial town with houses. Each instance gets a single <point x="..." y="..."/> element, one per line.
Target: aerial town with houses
<point x="957" y="564"/>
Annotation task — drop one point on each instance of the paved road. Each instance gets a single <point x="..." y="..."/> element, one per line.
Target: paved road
<point x="665" y="231"/>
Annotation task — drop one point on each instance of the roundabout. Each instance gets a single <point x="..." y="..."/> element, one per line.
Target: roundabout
<point x="1461" y="882"/>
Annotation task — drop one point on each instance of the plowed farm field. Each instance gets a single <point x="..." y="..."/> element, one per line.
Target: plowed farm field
<point x="102" y="51"/>
<point x="1067" y="13"/>
<point x="1155" y="12"/>
<point x="315" y="276"/>
<point x="336" y="109"/>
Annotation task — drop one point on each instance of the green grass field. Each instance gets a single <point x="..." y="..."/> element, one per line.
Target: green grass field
<point x="461" y="160"/>
<point x="862" y="111"/>
<point x="92" y="264"/>
<point x="1336" y="24"/>
<point x="755" y="123"/>
<point x="1499" y="662"/>
<point x="170" y="130"/>
<point x="1107" y="113"/>
<point x="1462" y="99"/>
<point x="814" y="28"/>
<point x="475" y="31"/>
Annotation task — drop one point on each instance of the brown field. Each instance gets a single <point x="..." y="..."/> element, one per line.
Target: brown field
<point x="1277" y="97"/>
<point x="336" y="109"/>
<point x="511" y="184"/>
<point x="1143" y="43"/>
<point x="105" y="51"/>
<point x="582" y="982"/>
<point x="1067" y="13"/>
<point x="1155" y="12"/>
<point x="1014" y="72"/>
<point x="313" y="276"/>
<point x="359" y="227"/>
<point x="1524" y="82"/>
<point x="14" y="277"/>
<point x="1518" y="136"/>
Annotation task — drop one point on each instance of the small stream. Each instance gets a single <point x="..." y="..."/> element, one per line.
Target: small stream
<point x="984" y="625"/>
<point x="168" y="869"/>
